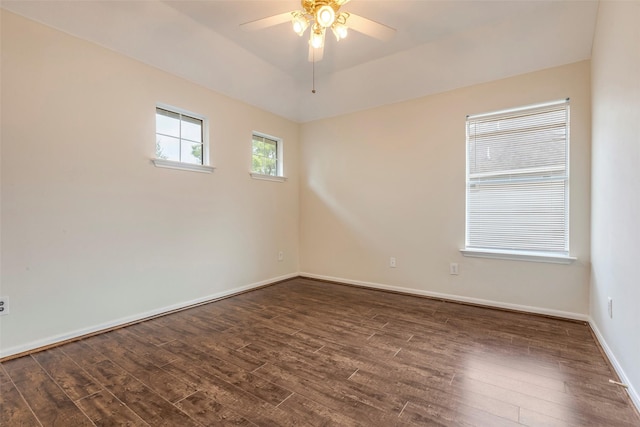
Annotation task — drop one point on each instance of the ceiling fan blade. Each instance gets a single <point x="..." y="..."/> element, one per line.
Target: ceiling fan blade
<point x="269" y="21"/>
<point x="316" y="55"/>
<point x="370" y="28"/>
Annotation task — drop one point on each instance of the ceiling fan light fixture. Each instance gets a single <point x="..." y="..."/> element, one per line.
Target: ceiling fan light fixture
<point x="340" y="31"/>
<point x="300" y="23"/>
<point x="317" y="37"/>
<point x="339" y="27"/>
<point x="325" y="16"/>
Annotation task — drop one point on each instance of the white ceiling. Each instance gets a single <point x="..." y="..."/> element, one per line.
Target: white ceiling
<point x="438" y="46"/>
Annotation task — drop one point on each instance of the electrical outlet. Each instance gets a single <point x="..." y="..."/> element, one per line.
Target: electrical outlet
<point x="280" y="256"/>
<point x="610" y="307"/>
<point x="453" y="268"/>
<point x="4" y="306"/>
<point x="392" y="262"/>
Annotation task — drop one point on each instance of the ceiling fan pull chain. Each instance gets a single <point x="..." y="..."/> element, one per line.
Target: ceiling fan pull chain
<point x="313" y="72"/>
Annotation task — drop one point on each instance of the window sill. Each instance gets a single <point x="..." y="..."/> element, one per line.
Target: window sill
<point x="169" y="164"/>
<point x="519" y="255"/>
<point x="267" y="177"/>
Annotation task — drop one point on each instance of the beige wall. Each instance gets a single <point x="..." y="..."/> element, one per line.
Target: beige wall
<point x="390" y="182"/>
<point x="93" y="233"/>
<point x="616" y="186"/>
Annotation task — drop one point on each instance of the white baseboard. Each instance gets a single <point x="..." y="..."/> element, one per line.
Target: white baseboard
<point x="635" y="397"/>
<point x="451" y="297"/>
<point x="45" y="342"/>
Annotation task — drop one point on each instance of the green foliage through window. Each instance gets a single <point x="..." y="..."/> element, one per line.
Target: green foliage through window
<point x="265" y="155"/>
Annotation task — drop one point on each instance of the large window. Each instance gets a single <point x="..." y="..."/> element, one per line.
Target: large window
<point x="518" y="183"/>
<point x="266" y="156"/>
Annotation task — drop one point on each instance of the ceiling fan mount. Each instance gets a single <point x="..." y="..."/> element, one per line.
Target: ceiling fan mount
<point x="320" y="15"/>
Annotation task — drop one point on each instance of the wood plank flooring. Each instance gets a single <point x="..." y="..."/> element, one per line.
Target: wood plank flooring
<point x="308" y="353"/>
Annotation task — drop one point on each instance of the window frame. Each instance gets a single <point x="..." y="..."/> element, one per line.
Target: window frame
<point x="205" y="166"/>
<point x="279" y="177"/>
<point x="551" y="256"/>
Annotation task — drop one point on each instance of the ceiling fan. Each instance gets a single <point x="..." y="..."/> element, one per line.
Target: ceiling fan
<point x="321" y="15"/>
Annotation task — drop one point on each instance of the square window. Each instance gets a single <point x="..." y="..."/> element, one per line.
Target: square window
<point x="266" y="155"/>
<point x="180" y="137"/>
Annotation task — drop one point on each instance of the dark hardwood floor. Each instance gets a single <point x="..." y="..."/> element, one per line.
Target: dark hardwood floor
<point x="304" y="352"/>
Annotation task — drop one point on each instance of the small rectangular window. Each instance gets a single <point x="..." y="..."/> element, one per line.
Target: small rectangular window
<point x="266" y="155"/>
<point x="518" y="180"/>
<point x="179" y="137"/>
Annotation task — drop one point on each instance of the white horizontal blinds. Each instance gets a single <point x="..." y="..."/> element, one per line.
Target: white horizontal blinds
<point x="517" y="179"/>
